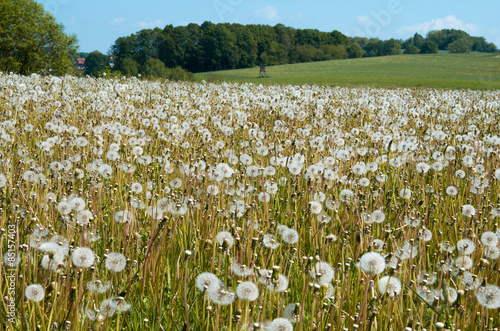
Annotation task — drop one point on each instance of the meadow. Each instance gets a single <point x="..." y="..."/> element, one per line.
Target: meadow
<point x="129" y="204"/>
<point x="479" y="71"/>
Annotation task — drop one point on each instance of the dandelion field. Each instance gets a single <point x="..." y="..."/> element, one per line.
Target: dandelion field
<point x="135" y="205"/>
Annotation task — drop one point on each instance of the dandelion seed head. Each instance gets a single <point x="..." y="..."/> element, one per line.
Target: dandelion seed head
<point x="207" y="280"/>
<point x="372" y="263"/>
<point x="34" y="292"/>
<point x="115" y="262"/>
<point x="389" y="285"/>
<point x="489" y="296"/>
<point x="466" y="246"/>
<point x="83" y="257"/>
<point x="247" y="291"/>
<point x="322" y="272"/>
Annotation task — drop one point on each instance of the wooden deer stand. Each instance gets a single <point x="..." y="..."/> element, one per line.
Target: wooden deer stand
<point x="262" y="73"/>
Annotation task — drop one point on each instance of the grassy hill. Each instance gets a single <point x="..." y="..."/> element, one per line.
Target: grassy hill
<point x="462" y="71"/>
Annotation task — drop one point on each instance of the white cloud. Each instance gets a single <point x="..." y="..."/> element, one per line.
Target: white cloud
<point x="116" y="21"/>
<point x="149" y="25"/>
<point x="363" y="19"/>
<point x="268" y="13"/>
<point x="448" y="22"/>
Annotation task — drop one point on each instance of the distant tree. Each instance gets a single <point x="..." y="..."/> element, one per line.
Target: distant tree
<point x="391" y="47"/>
<point x="129" y="67"/>
<point x="491" y="48"/>
<point x="374" y="47"/>
<point x="353" y="51"/>
<point x="154" y="68"/>
<point x="418" y="40"/>
<point x="407" y="42"/>
<point x="334" y="52"/>
<point x="96" y="63"/>
<point x="462" y="45"/>
<point x="445" y="37"/>
<point x="429" y="47"/>
<point x="411" y="49"/>
<point x="361" y="41"/>
<point x="32" y="41"/>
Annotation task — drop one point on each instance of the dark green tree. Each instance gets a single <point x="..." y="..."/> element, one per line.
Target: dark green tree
<point x="154" y="68"/>
<point x="129" y="67"/>
<point x="411" y="49"/>
<point x="354" y="50"/>
<point x="429" y="47"/>
<point x="391" y="47"/>
<point x="418" y="40"/>
<point x="96" y="63"/>
<point x="462" y="45"/>
<point x="32" y="41"/>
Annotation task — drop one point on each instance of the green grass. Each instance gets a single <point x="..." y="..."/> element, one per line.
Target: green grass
<point x="463" y="71"/>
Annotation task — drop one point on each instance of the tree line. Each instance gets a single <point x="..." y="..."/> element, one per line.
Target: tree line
<point x="32" y="41"/>
<point x="211" y="47"/>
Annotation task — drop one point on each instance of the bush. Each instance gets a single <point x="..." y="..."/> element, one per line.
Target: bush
<point x="429" y="47"/>
<point x="411" y="49"/>
<point x="179" y="73"/>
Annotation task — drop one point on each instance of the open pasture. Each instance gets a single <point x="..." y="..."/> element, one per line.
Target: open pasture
<point x="137" y="205"/>
<point x="479" y="71"/>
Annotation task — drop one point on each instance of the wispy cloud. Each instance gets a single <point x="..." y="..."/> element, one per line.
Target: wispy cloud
<point x="268" y="13"/>
<point x="149" y="25"/>
<point x="116" y="21"/>
<point x="448" y="22"/>
<point x="363" y="19"/>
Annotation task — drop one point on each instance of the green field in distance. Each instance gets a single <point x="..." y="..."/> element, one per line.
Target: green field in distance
<point x="479" y="71"/>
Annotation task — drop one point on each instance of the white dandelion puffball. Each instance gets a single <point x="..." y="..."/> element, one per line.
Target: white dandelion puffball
<point x="98" y="286"/>
<point x="372" y="263"/>
<point x="405" y="193"/>
<point x="124" y="216"/>
<point x="269" y="240"/>
<point x="290" y="236"/>
<point x="468" y="210"/>
<point x="247" y="291"/>
<point x="119" y="304"/>
<point x="64" y="207"/>
<point x="34" y="292"/>
<point x="83" y="217"/>
<point x="115" y="262"/>
<point x="136" y="188"/>
<point x="322" y="272"/>
<point x="83" y="257"/>
<point x="378" y="216"/>
<point x="221" y="296"/>
<point x="77" y="204"/>
<point x="278" y="285"/>
<point x="225" y="238"/>
<point x="316" y="207"/>
<point x="281" y="324"/>
<point x="106" y="309"/>
<point x="389" y="285"/>
<point x="207" y="280"/>
<point x="466" y="246"/>
<point x="489" y="239"/>
<point x="242" y="270"/>
<point x="489" y="296"/>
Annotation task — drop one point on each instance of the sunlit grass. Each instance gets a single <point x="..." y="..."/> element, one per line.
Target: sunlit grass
<point x="478" y="71"/>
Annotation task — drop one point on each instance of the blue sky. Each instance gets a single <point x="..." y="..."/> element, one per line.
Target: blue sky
<point x="97" y="24"/>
